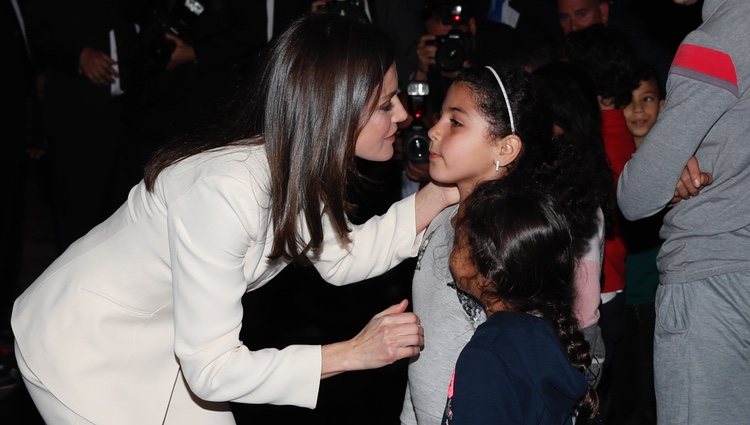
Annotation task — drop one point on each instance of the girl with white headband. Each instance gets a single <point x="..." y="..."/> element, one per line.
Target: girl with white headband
<point x="492" y="125"/>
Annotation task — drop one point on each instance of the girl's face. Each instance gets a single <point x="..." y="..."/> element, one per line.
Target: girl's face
<point x="644" y="108"/>
<point x="375" y="141"/>
<point x="461" y="150"/>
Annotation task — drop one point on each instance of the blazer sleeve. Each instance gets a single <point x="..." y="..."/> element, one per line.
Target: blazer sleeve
<point x="210" y="229"/>
<point x="376" y="245"/>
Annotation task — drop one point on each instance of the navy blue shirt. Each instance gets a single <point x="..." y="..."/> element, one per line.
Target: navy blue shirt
<point x="514" y="371"/>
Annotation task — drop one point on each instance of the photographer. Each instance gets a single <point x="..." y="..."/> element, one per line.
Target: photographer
<point x="446" y="48"/>
<point x="400" y="20"/>
<point x="85" y="51"/>
<point x="194" y="54"/>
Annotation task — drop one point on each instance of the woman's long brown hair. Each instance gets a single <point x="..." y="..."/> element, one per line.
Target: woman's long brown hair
<point x="307" y="108"/>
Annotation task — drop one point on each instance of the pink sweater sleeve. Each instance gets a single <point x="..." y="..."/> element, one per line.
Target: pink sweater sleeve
<point x="587" y="280"/>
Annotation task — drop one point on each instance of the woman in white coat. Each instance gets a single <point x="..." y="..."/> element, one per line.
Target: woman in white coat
<point x="138" y="321"/>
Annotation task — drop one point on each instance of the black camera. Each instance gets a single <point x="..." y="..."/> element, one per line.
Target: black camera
<point x="347" y="8"/>
<point x="453" y="48"/>
<point x="415" y="138"/>
<point x="157" y="49"/>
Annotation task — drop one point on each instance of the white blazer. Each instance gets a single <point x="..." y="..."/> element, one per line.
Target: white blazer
<point x="158" y="287"/>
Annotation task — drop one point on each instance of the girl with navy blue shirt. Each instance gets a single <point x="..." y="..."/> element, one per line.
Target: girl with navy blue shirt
<point x="513" y="255"/>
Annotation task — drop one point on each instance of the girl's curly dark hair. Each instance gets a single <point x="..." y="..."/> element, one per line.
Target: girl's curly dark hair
<point x="512" y="229"/>
<point x="607" y="57"/>
<point x="574" y="167"/>
<point x="578" y="173"/>
<point x="531" y="117"/>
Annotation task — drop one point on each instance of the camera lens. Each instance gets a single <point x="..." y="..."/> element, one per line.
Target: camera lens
<point x="418" y="149"/>
<point x="451" y="53"/>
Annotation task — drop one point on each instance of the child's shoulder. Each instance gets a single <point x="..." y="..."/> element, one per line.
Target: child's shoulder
<point x="512" y="320"/>
<point x="516" y="331"/>
<point x="527" y="345"/>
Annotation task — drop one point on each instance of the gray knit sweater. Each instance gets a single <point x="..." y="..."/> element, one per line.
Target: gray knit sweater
<point x="447" y="327"/>
<point x="707" y="113"/>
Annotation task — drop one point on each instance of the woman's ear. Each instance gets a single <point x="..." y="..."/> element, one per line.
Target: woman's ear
<point x="508" y="149"/>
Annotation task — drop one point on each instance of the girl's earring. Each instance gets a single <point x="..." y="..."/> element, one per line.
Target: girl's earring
<point x="497" y="166"/>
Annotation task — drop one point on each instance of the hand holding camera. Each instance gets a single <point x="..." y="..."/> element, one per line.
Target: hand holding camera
<point x="426" y="50"/>
<point x="452" y="50"/>
<point x="167" y="37"/>
<point x="449" y="43"/>
<point x="181" y="53"/>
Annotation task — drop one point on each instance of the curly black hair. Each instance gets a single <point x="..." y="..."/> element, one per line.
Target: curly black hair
<point x="607" y="58"/>
<point x="511" y="228"/>
<point x="573" y="167"/>
<point x="578" y="174"/>
<point x="646" y="72"/>
<point x="531" y="117"/>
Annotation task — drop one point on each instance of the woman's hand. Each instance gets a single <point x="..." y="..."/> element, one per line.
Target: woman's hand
<point x="391" y="335"/>
<point x="431" y="199"/>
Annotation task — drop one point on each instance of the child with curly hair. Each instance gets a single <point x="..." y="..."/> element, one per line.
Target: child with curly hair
<point x="514" y="255"/>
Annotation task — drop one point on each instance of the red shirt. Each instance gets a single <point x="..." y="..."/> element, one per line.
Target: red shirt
<point x="619" y="147"/>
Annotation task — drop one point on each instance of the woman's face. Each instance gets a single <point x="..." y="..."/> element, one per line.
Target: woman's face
<point x="461" y="150"/>
<point x="375" y="141"/>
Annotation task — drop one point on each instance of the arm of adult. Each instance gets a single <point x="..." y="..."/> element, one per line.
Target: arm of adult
<point x="391" y="335"/>
<point x="697" y="96"/>
<point x="216" y="235"/>
<point x="97" y="66"/>
<point x="383" y="241"/>
<point x="212" y="228"/>
<point x="183" y="52"/>
<point x="425" y="56"/>
<point x="691" y="182"/>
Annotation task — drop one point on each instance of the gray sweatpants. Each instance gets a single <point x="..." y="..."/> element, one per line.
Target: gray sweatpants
<point x="702" y="351"/>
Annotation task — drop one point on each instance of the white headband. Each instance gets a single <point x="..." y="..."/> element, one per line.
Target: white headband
<point x="505" y="96"/>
